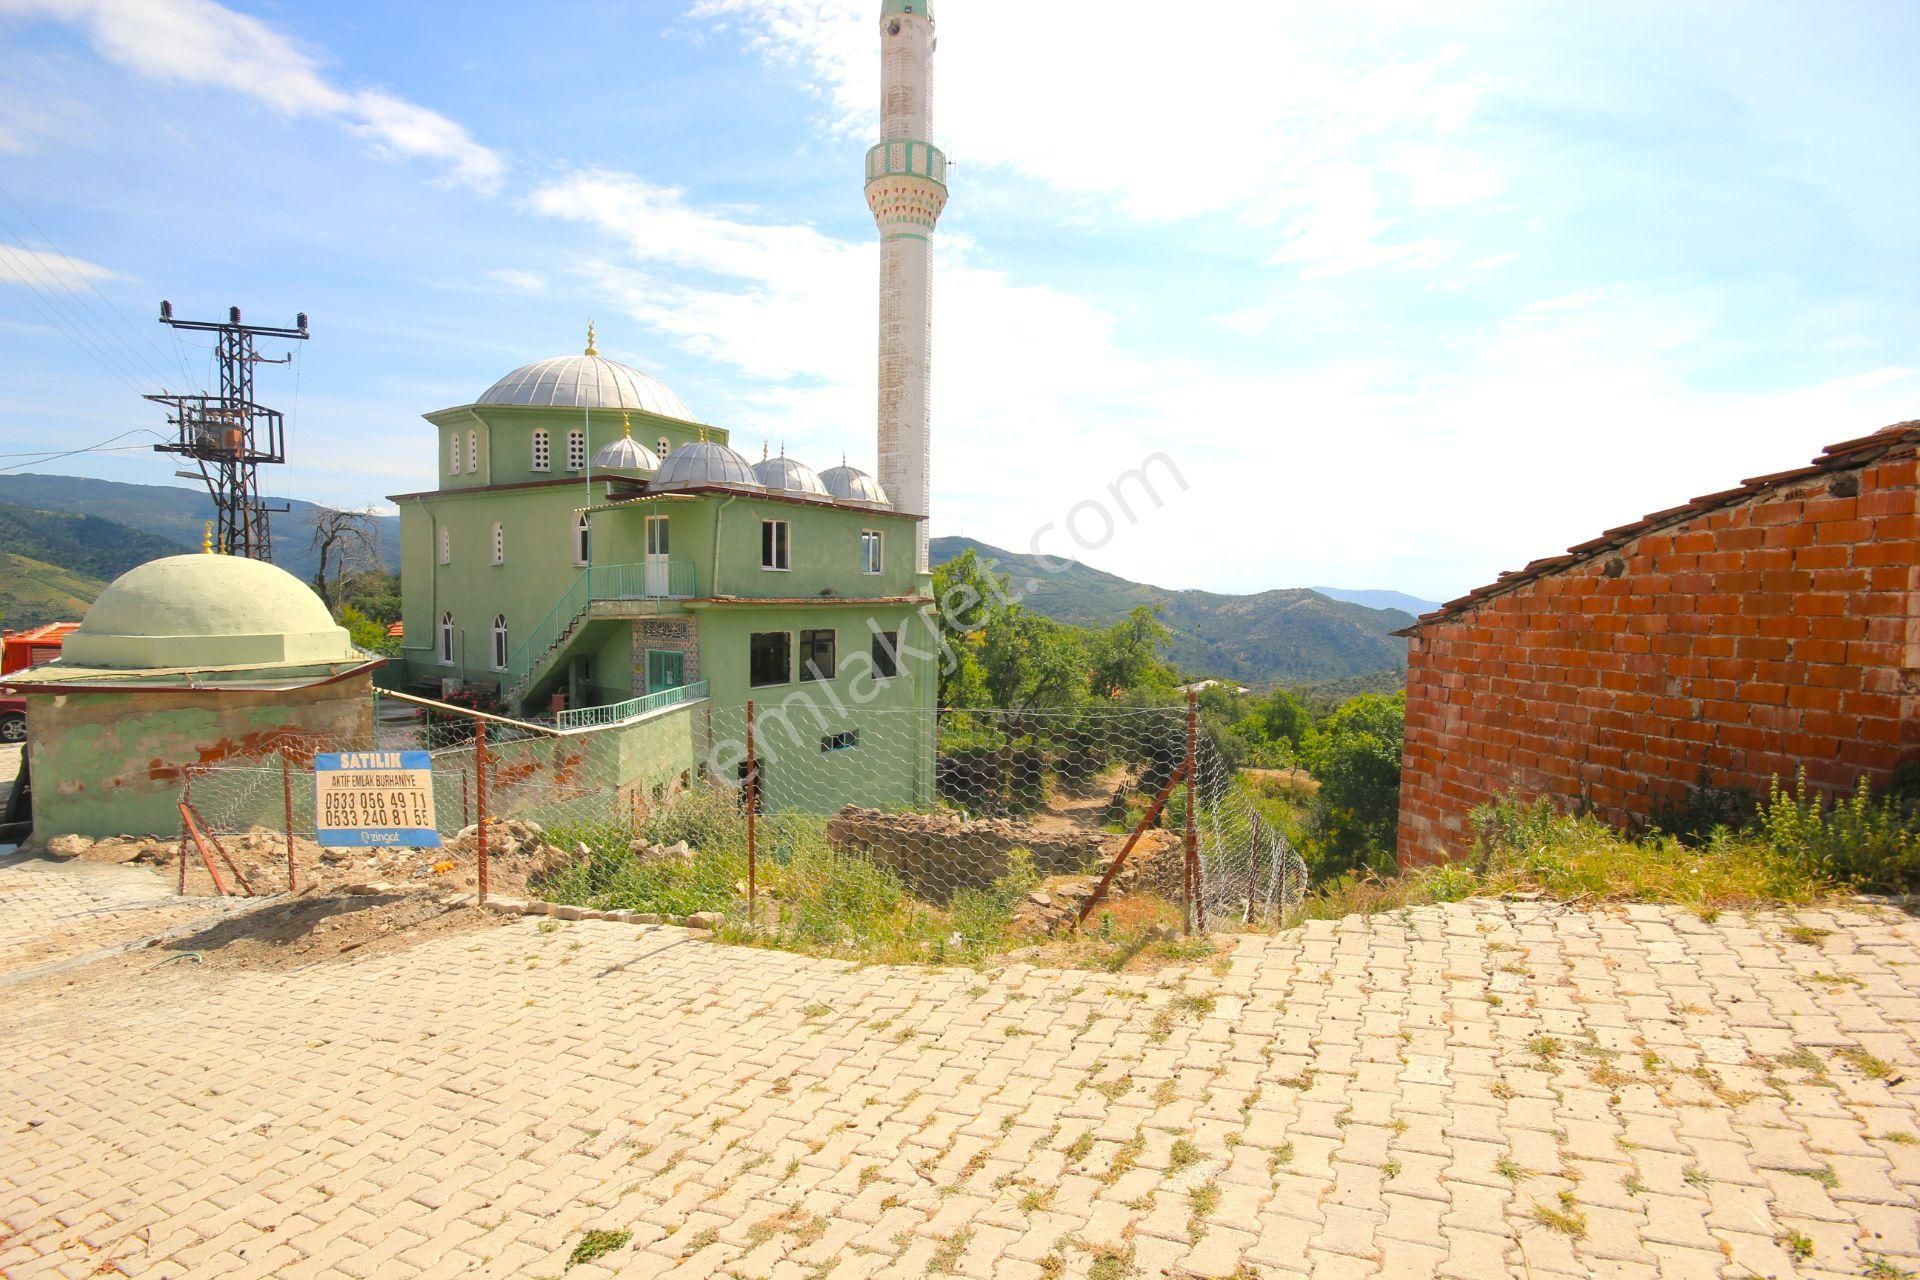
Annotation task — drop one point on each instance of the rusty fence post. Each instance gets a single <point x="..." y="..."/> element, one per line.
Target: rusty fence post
<point x="753" y="803"/>
<point x="1192" y="860"/>
<point x="480" y="800"/>
<point x="286" y="792"/>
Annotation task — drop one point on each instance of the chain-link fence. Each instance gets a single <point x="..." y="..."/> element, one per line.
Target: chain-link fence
<point x="885" y="833"/>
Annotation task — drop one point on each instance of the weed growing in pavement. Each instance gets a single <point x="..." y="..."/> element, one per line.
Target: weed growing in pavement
<point x="597" y="1244"/>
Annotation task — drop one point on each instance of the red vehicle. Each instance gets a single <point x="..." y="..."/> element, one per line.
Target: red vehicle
<point x="20" y="650"/>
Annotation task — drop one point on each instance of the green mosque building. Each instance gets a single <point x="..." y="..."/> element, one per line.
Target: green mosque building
<point x="594" y="549"/>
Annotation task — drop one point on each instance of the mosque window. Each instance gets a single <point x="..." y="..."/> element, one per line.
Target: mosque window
<point x="453" y="452"/>
<point x="499" y="642"/>
<point x="869" y="551"/>
<point x="817" y="656"/>
<point x="446" y="546"/>
<point x="473" y="451"/>
<point x="581" y="548"/>
<point x="446" y="639"/>
<point x="769" y="658"/>
<point x="776" y="545"/>
<point x="542" y="451"/>
<point x="499" y="543"/>
<point x="886" y="654"/>
<point x="846" y="740"/>
<point x="663" y="451"/>
<point x="576" y="450"/>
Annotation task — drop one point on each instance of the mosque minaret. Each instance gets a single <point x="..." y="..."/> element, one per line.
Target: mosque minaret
<point x="906" y="189"/>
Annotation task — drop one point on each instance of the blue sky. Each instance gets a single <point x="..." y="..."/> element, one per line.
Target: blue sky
<point x="1408" y="294"/>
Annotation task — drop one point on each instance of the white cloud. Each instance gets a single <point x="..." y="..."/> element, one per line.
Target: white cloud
<point x="199" y="43"/>
<point x="1429" y="470"/>
<point x="1280" y="115"/>
<point x="40" y="269"/>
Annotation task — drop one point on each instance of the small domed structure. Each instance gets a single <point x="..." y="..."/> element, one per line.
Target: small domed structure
<point x="206" y="611"/>
<point x="625" y="454"/>
<point x="851" y="484"/>
<point x="787" y="475"/>
<point x="586" y="381"/>
<point x="704" y="462"/>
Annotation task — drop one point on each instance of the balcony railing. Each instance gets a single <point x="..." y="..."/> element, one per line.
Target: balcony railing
<point x="632" y="708"/>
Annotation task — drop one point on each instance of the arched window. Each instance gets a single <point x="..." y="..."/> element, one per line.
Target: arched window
<point x="542" y="451"/>
<point x="663" y="451"/>
<point x="446" y="639"/>
<point x="580" y="546"/>
<point x="453" y="452"/>
<point x="446" y="546"/>
<point x="576" y="450"/>
<point x="473" y="451"/>
<point x="499" y="642"/>
<point x="499" y="543"/>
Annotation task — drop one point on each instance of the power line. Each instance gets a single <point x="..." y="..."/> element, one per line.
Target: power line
<point x="142" y="334"/>
<point x="53" y="317"/>
<point x="23" y="261"/>
<point x="69" y="453"/>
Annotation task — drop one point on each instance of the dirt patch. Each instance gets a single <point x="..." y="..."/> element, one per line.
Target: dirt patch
<point x="257" y="858"/>
<point x="316" y="927"/>
<point x="1086" y="808"/>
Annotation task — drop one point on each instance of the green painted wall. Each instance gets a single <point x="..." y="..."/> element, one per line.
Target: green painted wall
<point x="892" y="765"/>
<point x="504" y="434"/>
<point x="112" y="763"/>
<point x="824" y="545"/>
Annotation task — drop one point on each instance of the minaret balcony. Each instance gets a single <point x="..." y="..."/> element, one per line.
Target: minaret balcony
<point x="905" y="158"/>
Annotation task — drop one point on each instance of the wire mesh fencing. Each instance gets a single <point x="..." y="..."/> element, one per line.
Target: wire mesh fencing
<point x="878" y="833"/>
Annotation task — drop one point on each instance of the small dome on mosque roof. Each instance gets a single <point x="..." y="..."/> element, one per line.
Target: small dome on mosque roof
<point x="625" y="454"/>
<point x="586" y="381"/>
<point x="789" y="475"/>
<point x="850" y="484"/>
<point x="206" y="611"/>
<point x="704" y="462"/>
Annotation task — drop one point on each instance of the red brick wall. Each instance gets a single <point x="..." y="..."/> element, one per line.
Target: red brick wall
<point x="1742" y="642"/>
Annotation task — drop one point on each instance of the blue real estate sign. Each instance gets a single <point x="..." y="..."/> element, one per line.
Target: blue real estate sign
<point x="366" y="798"/>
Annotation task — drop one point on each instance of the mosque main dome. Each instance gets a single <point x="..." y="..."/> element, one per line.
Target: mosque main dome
<point x="206" y="611"/>
<point x="586" y="381"/>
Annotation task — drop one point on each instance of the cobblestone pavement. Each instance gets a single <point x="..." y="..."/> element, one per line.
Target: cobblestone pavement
<point x="54" y="910"/>
<point x="1471" y="1091"/>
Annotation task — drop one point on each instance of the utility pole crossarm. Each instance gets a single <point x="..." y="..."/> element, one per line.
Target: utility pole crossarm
<point x="228" y="435"/>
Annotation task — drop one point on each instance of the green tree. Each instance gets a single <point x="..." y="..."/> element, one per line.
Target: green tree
<point x="1129" y="655"/>
<point x="365" y="632"/>
<point x="1355" y="756"/>
<point x="1033" y="663"/>
<point x="966" y="595"/>
<point x="1280" y="717"/>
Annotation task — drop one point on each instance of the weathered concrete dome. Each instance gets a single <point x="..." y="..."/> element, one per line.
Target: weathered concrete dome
<point x="851" y="484"/>
<point x="625" y="454"/>
<point x="586" y="382"/>
<point x="787" y="475"/>
<point x="206" y="611"/>
<point x="704" y="462"/>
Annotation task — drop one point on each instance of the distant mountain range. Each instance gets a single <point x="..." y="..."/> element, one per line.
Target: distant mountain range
<point x="1380" y="599"/>
<point x="1288" y="637"/>
<point x="63" y="538"/>
<point x="177" y="514"/>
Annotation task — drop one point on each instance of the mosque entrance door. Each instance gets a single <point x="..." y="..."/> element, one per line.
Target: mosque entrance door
<point x="665" y="670"/>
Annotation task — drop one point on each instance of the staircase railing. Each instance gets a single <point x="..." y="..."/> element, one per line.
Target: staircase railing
<point x="674" y="580"/>
<point x="615" y="713"/>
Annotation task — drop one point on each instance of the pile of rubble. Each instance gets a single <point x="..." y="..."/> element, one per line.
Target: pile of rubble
<point x="1152" y="867"/>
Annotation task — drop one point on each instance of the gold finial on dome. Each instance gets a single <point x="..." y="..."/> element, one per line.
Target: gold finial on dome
<point x="703" y="433"/>
<point x="626" y="425"/>
<point x="591" y="349"/>
<point x="206" y="539"/>
<point x="763" y="448"/>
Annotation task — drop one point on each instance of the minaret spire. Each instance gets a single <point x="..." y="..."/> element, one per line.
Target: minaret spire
<point x="906" y="189"/>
